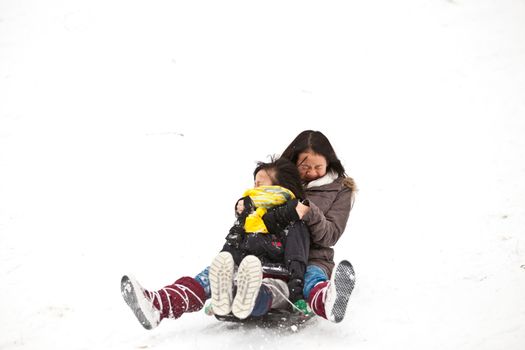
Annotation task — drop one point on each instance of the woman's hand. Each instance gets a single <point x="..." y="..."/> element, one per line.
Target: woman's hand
<point x="301" y="209"/>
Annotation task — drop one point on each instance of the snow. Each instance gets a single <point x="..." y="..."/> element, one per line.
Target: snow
<point x="129" y="128"/>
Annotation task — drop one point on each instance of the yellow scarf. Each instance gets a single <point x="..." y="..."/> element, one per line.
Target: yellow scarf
<point x="264" y="197"/>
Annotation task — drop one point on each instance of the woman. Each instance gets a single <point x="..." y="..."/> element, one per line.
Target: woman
<point x="330" y="194"/>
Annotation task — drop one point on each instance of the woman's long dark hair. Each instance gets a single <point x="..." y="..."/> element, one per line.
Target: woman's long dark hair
<point x="318" y="143"/>
<point x="283" y="173"/>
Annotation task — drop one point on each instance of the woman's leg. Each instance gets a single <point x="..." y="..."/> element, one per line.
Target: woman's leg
<point x="329" y="299"/>
<point x="150" y="307"/>
<point x="274" y="292"/>
<point x="314" y="274"/>
<point x="204" y="280"/>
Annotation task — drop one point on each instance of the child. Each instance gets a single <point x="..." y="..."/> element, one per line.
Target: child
<point x="250" y="242"/>
<point x="243" y="247"/>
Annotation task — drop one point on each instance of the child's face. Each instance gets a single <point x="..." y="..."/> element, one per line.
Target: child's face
<point x="262" y="178"/>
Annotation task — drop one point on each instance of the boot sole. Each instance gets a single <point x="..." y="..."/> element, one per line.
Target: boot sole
<point x="129" y="289"/>
<point x="221" y="283"/>
<point x="249" y="280"/>
<point x="343" y="279"/>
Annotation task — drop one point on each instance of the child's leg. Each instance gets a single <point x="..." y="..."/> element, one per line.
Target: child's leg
<point x="252" y="298"/>
<point x="249" y="279"/>
<point x="296" y="247"/>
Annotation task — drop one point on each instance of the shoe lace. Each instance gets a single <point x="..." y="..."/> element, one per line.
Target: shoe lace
<point x="284" y="296"/>
<point x="181" y="291"/>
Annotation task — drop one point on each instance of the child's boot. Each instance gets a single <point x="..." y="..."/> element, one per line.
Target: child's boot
<point x="184" y="295"/>
<point x="249" y="279"/>
<point x="296" y="281"/>
<point x="221" y="283"/>
<point x="329" y="299"/>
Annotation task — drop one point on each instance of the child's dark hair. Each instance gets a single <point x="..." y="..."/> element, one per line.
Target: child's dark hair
<point x="283" y="173"/>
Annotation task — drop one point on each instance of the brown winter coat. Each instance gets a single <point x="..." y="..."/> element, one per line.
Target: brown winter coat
<point x="330" y="206"/>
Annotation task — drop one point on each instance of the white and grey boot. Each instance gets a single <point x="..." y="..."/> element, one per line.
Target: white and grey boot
<point x="221" y="283"/>
<point x="338" y="292"/>
<point x="249" y="279"/>
<point x="141" y="305"/>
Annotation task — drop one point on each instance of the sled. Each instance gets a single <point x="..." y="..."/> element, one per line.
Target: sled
<point x="275" y="318"/>
<point x="280" y="318"/>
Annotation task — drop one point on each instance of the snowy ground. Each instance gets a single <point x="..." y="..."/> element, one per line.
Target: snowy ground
<point x="129" y="128"/>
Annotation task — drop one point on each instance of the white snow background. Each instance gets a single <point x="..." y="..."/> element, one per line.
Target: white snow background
<point x="128" y="129"/>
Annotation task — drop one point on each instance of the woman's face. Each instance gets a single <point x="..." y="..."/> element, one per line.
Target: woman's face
<point x="311" y="166"/>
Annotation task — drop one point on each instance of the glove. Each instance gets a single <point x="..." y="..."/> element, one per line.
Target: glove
<point x="278" y="218"/>
<point x="235" y="236"/>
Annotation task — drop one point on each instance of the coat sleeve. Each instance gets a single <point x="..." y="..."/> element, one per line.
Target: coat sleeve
<point x="327" y="228"/>
<point x="278" y="218"/>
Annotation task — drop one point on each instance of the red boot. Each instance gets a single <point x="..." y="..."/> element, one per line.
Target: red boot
<point x="316" y="298"/>
<point x="184" y="295"/>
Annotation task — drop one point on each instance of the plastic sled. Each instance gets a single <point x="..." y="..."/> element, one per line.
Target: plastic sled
<point x="275" y="317"/>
